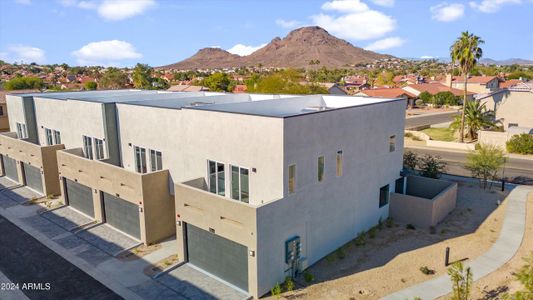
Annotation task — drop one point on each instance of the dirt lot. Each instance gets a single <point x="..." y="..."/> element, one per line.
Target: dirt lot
<point x="392" y="260"/>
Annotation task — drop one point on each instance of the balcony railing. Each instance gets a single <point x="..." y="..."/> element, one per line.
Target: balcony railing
<point x="24" y="151"/>
<point x="114" y="180"/>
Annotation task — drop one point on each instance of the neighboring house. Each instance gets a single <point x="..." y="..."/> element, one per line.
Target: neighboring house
<point x="187" y="88"/>
<point x="253" y="186"/>
<point x="333" y="88"/>
<point x="476" y="84"/>
<point x="509" y="83"/>
<point x="434" y="88"/>
<point x="388" y="93"/>
<point x="240" y="88"/>
<point x="513" y="106"/>
<point x="401" y="80"/>
<point x="355" y="83"/>
<point x="4" y="120"/>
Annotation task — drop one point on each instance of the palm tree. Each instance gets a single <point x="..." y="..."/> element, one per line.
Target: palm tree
<point x="466" y="53"/>
<point x="475" y="117"/>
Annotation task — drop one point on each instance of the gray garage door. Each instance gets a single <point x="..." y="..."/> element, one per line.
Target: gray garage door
<point x="33" y="177"/>
<point x="122" y="215"/>
<point x="10" y="168"/>
<point x="218" y="256"/>
<point x="80" y="197"/>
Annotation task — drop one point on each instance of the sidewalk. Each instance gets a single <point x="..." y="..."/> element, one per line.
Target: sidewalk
<point x="504" y="249"/>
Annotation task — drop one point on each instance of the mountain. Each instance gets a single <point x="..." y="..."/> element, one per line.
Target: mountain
<point x="506" y="62"/>
<point x="296" y="50"/>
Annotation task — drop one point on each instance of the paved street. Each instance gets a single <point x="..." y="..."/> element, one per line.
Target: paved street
<point x="429" y="119"/>
<point x="25" y="260"/>
<point x="455" y="159"/>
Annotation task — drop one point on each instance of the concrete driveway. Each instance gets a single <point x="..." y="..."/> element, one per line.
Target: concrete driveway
<point x="108" y="239"/>
<point x="67" y="217"/>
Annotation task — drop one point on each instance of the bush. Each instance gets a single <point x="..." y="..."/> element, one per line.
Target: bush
<point x="308" y="277"/>
<point x="90" y="85"/>
<point x="360" y="240"/>
<point x="389" y="222"/>
<point x="410" y="160"/>
<point x="372" y="232"/>
<point x="289" y="284"/>
<point x="484" y="163"/>
<point x="427" y="270"/>
<point x="23" y="83"/>
<point x="426" y="97"/>
<point x="431" y="166"/>
<point x="276" y="290"/>
<point x="340" y="253"/>
<point x="521" y="144"/>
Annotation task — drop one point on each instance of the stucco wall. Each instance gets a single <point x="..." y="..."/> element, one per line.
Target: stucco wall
<point x="512" y="107"/>
<point x="72" y="118"/>
<point x="498" y="139"/>
<point x="16" y="111"/>
<point x="4" y="121"/>
<point x="328" y="214"/>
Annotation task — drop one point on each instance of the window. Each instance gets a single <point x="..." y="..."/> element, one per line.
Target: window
<point x="156" y="162"/>
<point x="292" y="178"/>
<point x="239" y="184"/>
<point x="99" y="148"/>
<point x="48" y="135"/>
<point x="87" y="147"/>
<point x="1" y="110"/>
<point x="512" y="125"/>
<point x="140" y="159"/>
<point x="21" y="131"/>
<point x="339" y="163"/>
<point x="216" y="178"/>
<point x="320" y="168"/>
<point x="57" y="137"/>
<point x="384" y="196"/>
<point x="392" y="143"/>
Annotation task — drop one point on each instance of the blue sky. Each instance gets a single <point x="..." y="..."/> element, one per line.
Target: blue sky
<point x="158" y="32"/>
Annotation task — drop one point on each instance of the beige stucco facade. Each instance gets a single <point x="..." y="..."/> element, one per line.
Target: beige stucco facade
<point x="513" y="107"/>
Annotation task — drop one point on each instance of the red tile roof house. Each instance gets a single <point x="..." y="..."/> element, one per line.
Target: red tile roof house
<point x="509" y="83"/>
<point x="389" y="93"/>
<point x="476" y="84"/>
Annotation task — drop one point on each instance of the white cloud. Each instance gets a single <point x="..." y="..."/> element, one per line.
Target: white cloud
<point x="288" y="23"/>
<point x="345" y="6"/>
<point x="388" y="3"/>
<point x="112" y="10"/>
<point x="106" y="53"/>
<point x="23" y="2"/>
<point x="365" y="25"/>
<point x="384" y="44"/>
<point x="23" y="53"/>
<point x="244" y="50"/>
<point x="427" y="57"/>
<point x="445" y="12"/>
<point x="116" y="10"/>
<point x="491" y="6"/>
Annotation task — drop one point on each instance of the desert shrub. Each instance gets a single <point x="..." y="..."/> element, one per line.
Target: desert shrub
<point x="525" y="276"/>
<point x="289" y="284"/>
<point x="360" y="240"/>
<point x="521" y="144"/>
<point x="340" y="253"/>
<point x="484" y="163"/>
<point x="389" y="222"/>
<point x="372" y="232"/>
<point x="276" y="290"/>
<point x="410" y="160"/>
<point x="410" y="227"/>
<point x="461" y="281"/>
<point x="408" y="134"/>
<point x="427" y="270"/>
<point x="308" y="277"/>
<point x="431" y="166"/>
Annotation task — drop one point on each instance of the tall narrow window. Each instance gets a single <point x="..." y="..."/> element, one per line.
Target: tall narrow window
<point x="24" y="131"/>
<point x="392" y="143"/>
<point x="140" y="159"/>
<point x="320" y="168"/>
<point x="239" y="184"/>
<point x="384" y="195"/>
<point x="57" y="137"/>
<point x="1" y="110"/>
<point x="49" y="137"/>
<point x="99" y="148"/>
<point x="19" y="130"/>
<point x="216" y="178"/>
<point x="339" y="163"/>
<point x="87" y="147"/>
<point x="292" y="178"/>
<point x="156" y="162"/>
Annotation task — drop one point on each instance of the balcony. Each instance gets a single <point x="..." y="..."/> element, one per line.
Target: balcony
<point x="228" y="218"/>
<point x="24" y="151"/>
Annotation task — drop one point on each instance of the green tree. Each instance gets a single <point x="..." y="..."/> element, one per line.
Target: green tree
<point x="461" y="281"/>
<point x="445" y="98"/>
<point x="113" y="79"/>
<point x="425" y="97"/>
<point x="24" y="83"/>
<point x="283" y="82"/>
<point x="525" y="276"/>
<point x="90" y="85"/>
<point x="521" y="143"/>
<point x="475" y="117"/>
<point x="142" y="76"/>
<point x="158" y="83"/>
<point x="484" y="163"/>
<point x="218" y="82"/>
<point x="466" y="53"/>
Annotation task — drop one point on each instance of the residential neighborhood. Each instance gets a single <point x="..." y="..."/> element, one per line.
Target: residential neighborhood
<point x="356" y="155"/>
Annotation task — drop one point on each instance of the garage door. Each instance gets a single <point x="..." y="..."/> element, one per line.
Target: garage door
<point x="33" y="177"/>
<point x="80" y="197"/>
<point x="218" y="256"/>
<point x="122" y="215"/>
<point x="10" y="168"/>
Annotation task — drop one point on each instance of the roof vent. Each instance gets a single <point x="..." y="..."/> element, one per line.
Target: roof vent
<point x="317" y="108"/>
<point x="200" y="103"/>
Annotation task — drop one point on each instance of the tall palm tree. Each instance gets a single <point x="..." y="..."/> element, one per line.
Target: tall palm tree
<point x="465" y="52"/>
<point x="476" y="117"/>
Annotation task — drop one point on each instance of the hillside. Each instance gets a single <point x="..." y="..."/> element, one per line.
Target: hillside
<point x="296" y="50"/>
